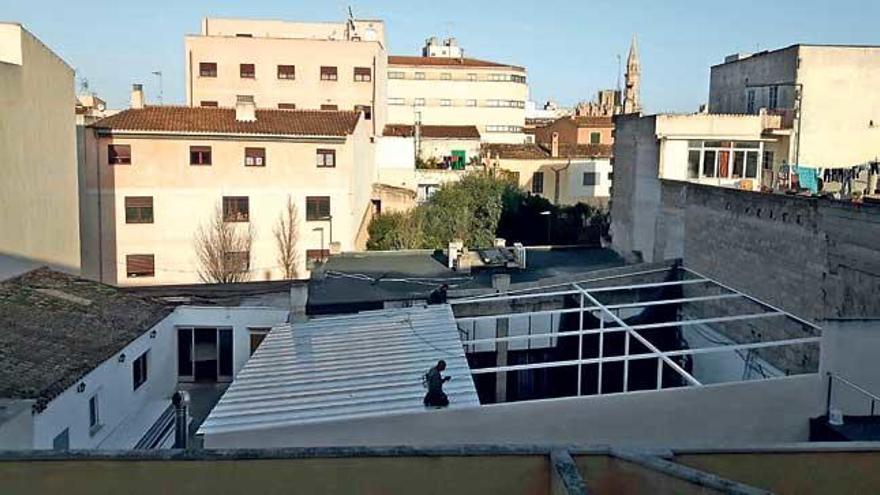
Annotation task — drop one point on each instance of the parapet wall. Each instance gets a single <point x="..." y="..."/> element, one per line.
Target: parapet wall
<point x="815" y="258"/>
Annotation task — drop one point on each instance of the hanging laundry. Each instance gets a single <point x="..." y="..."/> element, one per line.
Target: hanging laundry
<point x="808" y="178"/>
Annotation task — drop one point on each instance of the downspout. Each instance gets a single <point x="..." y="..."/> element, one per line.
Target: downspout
<point x="556" y="172"/>
<point x="100" y="210"/>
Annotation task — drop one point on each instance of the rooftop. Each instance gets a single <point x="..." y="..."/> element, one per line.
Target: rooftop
<point x="434" y="131"/>
<point x="354" y="281"/>
<point x="55" y="328"/>
<point x="335" y="368"/>
<point x="542" y="151"/>
<point x="447" y="62"/>
<point x="180" y="119"/>
<point x="586" y="121"/>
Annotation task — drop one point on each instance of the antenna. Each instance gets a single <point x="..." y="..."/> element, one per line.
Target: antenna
<point x="158" y="73"/>
<point x="618" y="72"/>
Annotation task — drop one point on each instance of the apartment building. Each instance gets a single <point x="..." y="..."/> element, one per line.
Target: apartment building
<point x="38" y="193"/>
<point x="578" y="130"/>
<point x="443" y="87"/>
<point x="826" y="95"/>
<point x="289" y="65"/>
<point x="157" y="175"/>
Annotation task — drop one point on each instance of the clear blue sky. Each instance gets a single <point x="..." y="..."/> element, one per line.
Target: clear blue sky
<point x="570" y="48"/>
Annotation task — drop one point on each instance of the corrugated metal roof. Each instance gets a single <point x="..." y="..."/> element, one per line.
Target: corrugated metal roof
<point x="345" y="367"/>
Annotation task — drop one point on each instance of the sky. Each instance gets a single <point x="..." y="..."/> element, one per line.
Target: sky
<point x="569" y="48"/>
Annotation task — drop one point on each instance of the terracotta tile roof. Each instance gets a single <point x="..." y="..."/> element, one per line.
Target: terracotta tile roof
<point x="542" y="151"/>
<point x="222" y="120"/>
<point x="434" y="131"/>
<point x="55" y="328"/>
<point x="586" y="121"/>
<point x="446" y="62"/>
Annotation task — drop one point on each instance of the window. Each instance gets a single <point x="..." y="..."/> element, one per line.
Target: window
<point x="61" y="440"/>
<point x="317" y="255"/>
<point x="329" y="107"/>
<point x="205" y="103"/>
<point x="207" y="69"/>
<point x="709" y="163"/>
<point x="247" y="71"/>
<point x="445" y="103"/>
<point x="119" y="154"/>
<point x="367" y="109"/>
<point x="236" y="209"/>
<point x="518" y="79"/>
<point x="420" y="102"/>
<point x="773" y="98"/>
<point x="94" y="415"/>
<point x="326" y="158"/>
<point x="739" y="162"/>
<point x="328" y="73"/>
<point x="751" y="165"/>
<point x="244" y="35"/>
<point x="138" y="209"/>
<point x="694" y="164"/>
<point x="595" y="138"/>
<point x="287" y="106"/>
<point x="610" y="175"/>
<point x="139" y="370"/>
<point x="396" y="75"/>
<point x="140" y="265"/>
<point x="590" y="179"/>
<point x="199" y="155"/>
<point x="767" y="163"/>
<point x="287" y="72"/>
<point x="420" y="75"/>
<point x="257" y="335"/>
<point x="396" y="101"/>
<point x="538" y="182"/>
<point x="472" y="103"/>
<point x="472" y="77"/>
<point x="317" y="208"/>
<point x="255" y="157"/>
<point x="363" y="74"/>
<point x="750" y="101"/>
<point x="238" y="261"/>
<point x="446" y="76"/>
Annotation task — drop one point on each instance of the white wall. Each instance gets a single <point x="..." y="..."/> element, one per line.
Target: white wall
<point x="237" y="318"/>
<point x="113" y="382"/>
<point x="394" y="152"/>
<point x="746" y="413"/>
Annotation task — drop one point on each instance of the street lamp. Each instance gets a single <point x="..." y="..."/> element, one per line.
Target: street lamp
<point x="546" y="213"/>
<point x="329" y="218"/>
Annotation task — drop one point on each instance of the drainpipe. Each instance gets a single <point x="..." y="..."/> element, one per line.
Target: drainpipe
<point x="100" y="211"/>
<point x="556" y="172"/>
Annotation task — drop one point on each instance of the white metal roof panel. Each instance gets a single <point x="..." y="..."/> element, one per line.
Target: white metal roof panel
<point x="345" y="367"/>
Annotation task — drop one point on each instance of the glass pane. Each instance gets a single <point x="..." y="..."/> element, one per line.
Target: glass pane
<point x="739" y="160"/>
<point x="748" y="145"/>
<point x="693" y="164"/>
<point x="225" y="351"/>
<point x="695" y="144"/>
<point x="752" y="164"/>
<point x="709" y="164"/>
<point x="184" y="352"/>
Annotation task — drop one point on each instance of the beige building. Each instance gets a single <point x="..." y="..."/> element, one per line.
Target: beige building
<point x="156" y="175"/>
<point x="38" y="192"/>
<point x="564" y="174"/>
<point x="442" y="87"/>
<point x="826" y="95"/>
<point x="286" y="65"/>
<point x="578" y="130"/>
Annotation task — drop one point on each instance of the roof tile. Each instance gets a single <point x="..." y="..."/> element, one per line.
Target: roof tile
<point x="446" y="62"/>
<point x="434" y="131"/>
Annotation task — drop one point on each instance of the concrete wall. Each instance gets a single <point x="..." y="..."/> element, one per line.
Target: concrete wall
<point x="850" y="348"/>
<point x="729" y="83"/>
<point x="753" y="412"/>
<point x="38" y="193"/>
<point x="458" y="88"/>
<point x="160" y="168"/>
<point x="16" y="424"/>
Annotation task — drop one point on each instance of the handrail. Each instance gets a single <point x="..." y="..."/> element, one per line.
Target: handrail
<point x="835" y="376"/>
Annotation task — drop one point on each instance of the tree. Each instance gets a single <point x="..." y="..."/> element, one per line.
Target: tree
<point x="286" y="233"/>
<point x="224" y="249"/>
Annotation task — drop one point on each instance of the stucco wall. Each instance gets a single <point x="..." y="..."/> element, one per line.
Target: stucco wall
<point x="731" y="414"/>
<point x="38" y="193"/>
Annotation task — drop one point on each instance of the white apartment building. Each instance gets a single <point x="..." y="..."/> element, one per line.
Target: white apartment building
<point x="38" y="216"/>
<point x="157" y="175"/>
<point x="442" y="87"/>
<point x="289" y="65"/>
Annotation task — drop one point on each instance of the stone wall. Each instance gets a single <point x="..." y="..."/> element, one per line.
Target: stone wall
<point x="812" y="257"/>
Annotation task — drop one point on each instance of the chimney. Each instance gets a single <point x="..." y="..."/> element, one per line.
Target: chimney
<point x="554" y="145"/>
<point x="137" y="96"/>
<point x="245" y="108"/>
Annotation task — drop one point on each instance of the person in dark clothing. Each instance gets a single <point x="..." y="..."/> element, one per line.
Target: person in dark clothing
<point x="434" y="381"/>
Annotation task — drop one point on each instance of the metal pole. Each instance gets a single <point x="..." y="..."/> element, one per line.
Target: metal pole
<point x="828" y="398"/>
<point x="626" y="361"/>
<point x="580" y="343"/>
<point x="601" y="349"/>
<point x="659" y="373"/>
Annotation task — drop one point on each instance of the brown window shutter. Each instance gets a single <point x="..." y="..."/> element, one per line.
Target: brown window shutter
<point x="140" y="265"/>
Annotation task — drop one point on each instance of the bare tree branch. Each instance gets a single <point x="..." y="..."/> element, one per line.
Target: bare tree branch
<point x="224" y="250"/>
<point x="286" y="233"/>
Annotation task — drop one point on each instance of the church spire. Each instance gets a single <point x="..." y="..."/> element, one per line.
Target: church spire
<point x="631" y="100"/>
